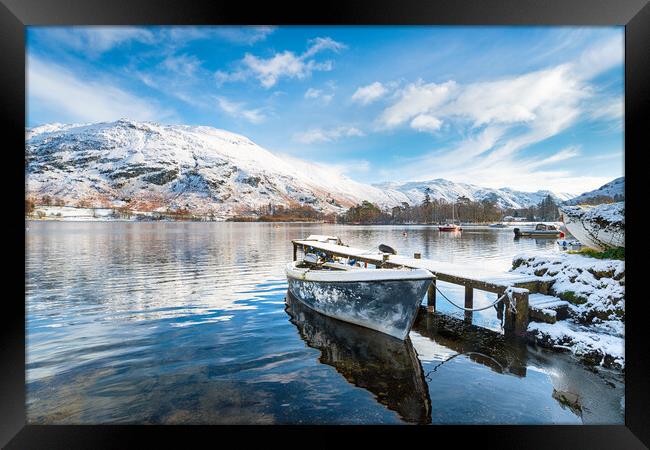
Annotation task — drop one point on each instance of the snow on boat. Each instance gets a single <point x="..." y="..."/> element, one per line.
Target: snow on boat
<point x="599" y="227"/>
<point x="541" y="230"/>
<point x="385" y="300"/>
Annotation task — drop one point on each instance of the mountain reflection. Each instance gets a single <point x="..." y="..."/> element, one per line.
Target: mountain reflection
<point x="385" y="366"/>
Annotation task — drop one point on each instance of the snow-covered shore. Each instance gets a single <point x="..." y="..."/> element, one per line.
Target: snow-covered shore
<point x="594" y="330"/>
<point x="74" y="214"/>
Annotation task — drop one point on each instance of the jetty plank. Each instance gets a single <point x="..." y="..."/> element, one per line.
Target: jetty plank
<point x="520" y="285"/>
<point x="474" y="277"/>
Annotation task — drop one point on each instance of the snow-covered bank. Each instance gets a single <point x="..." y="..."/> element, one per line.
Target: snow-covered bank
<point x="70" y="213"/>
<point x="594" y="330"/>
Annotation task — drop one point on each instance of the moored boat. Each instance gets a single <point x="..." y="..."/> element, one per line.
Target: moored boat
<point x="599" y="227"/>
<point x="385" y="300"/>
<point x="451" y="226"/>
<point x="541" y="230"/>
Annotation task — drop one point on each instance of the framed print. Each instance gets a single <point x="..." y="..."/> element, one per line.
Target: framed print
<point x="365" y="217"/>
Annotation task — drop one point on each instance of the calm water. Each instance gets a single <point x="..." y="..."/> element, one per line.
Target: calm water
<point x="188" y="323"/>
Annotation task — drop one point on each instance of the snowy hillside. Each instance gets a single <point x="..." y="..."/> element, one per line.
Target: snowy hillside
<point x="615" y="190"/>
<point x="152" y="167"/>
<point x="450" y="191"/>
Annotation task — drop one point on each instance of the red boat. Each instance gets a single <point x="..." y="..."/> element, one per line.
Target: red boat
<point x="451" y="226"/>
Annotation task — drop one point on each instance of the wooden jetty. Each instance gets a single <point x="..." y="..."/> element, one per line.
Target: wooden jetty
<point x="520" y="286"/>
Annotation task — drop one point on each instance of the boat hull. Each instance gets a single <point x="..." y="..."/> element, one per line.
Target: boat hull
<point x="388" y="306"/>
<point x="538" y="234"/>
<point x="596" y="232"/>
<point x="449" y="229"/>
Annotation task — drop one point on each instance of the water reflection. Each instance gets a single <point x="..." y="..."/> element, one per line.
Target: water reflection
<point x="385" y="366"/>
<point x="491" y="349"/>
<point x="186" y="323"/>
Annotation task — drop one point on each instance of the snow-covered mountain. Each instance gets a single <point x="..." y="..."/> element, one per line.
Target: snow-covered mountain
<point x="615" y="190"/>
<point x="149" y="166"/>
<point x="450" y="191"/>
<point x="155" y="167"/>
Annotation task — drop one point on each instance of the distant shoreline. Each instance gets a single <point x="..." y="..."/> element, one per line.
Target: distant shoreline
<point x="76" y="214"/>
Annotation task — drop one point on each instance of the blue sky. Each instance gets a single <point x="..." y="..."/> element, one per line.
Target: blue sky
<point x="524" y="107"/>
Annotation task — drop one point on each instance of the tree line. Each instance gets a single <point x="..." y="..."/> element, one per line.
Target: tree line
<point x="436" y="211"/>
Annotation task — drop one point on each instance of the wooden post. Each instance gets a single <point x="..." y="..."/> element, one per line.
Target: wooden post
<point x="521" y="319"/>
<point x="384" y="258"/>
<point x="431" y="297"/>
<point x="469" y="303"/>
<point x="295" y="251"/>
<point x="516" y="322"/>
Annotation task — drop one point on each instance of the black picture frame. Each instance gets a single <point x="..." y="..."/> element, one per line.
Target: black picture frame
<point x="16" y="14"/>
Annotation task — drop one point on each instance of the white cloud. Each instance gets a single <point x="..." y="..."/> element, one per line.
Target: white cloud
<point x="602" y="56"/>
<point x="610" y="108"/>
<point x="243" y="35"/>
<point x="319" y="44"/>
<point x="238" y="110"/>
<point x="74" y="99"/>
<point x="415" y="99"/>
<point x="316" y="135"/>
<point x="96" y="40"/>
<point x="312" y="93"/>
<point x="349" y="166"/>
<point x="424" y="122"/>
<point x="370" y="93"/>
<point x="500" y="118"/>
<point x="285" y="64"/>
<point x="184" y="65"/>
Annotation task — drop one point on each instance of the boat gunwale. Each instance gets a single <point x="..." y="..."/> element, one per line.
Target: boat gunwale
<point x="353" y="275"/>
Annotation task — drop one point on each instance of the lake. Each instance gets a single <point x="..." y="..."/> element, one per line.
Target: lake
<point x="188" y="323"/>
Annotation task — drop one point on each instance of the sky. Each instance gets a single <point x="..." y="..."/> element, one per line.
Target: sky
<point x="524" y="107"/>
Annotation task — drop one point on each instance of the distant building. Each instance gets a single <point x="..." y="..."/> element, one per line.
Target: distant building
<point x="514" y="219"/>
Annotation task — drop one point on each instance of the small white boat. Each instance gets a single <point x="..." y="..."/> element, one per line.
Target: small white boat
<point x="541" y="230"/>
<point x="385" y="300"/>
<point x="599" y="227"/>
<point x="498" y="225"/>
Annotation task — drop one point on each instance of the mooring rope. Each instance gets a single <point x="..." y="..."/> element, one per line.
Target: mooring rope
<point x="475" y="309"/>
<point x="428" y="374"/>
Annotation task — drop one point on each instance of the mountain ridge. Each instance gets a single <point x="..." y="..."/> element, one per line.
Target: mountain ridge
<point x="614" y="190"/>
<point x="149" y="166"/>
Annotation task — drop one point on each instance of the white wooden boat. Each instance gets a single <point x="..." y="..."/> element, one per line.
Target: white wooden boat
<point x="599" y="227"/>
<point x="385" y="300"/>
